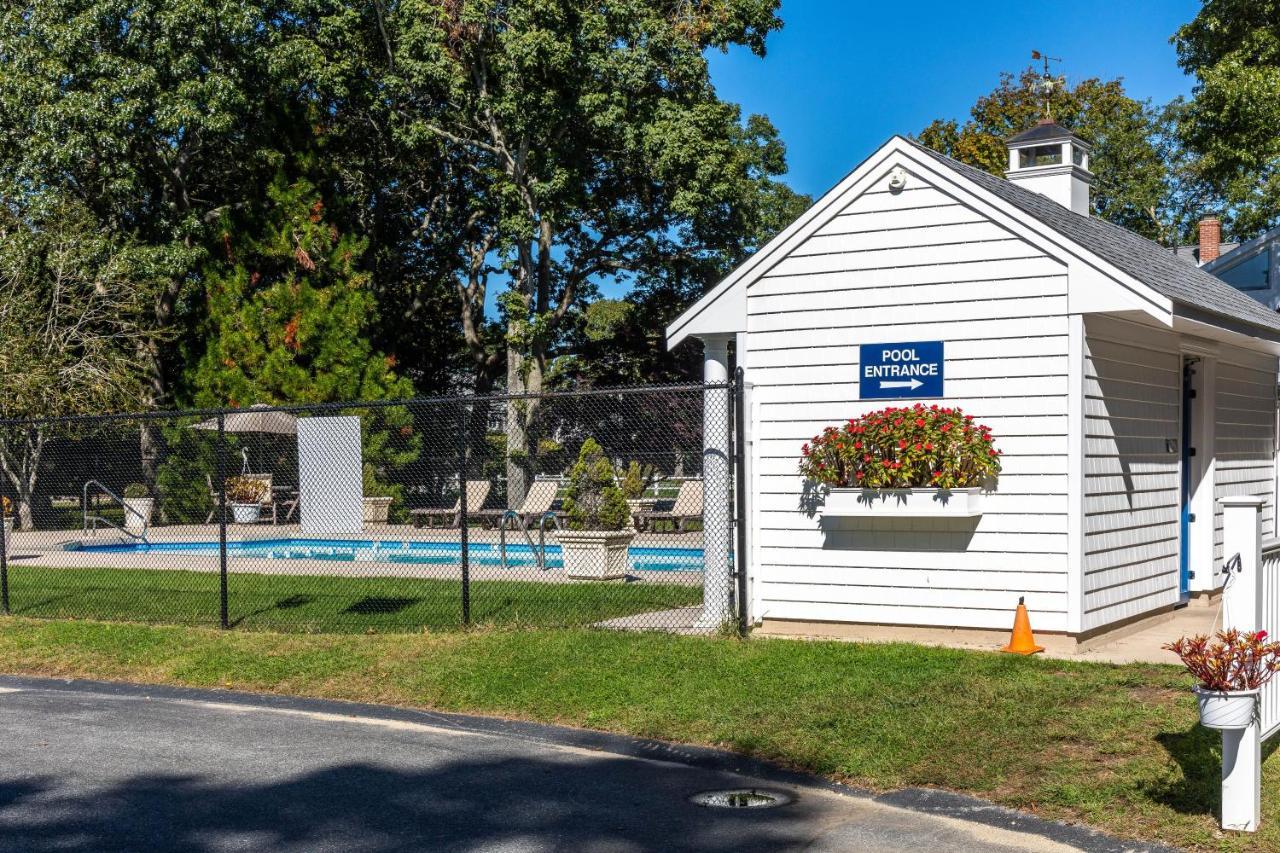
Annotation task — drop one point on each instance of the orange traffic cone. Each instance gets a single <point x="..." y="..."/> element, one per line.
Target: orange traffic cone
<point x="1023" y="642"/>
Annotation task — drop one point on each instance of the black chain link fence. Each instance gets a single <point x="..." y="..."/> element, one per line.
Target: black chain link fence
<point x="599" y="508"/>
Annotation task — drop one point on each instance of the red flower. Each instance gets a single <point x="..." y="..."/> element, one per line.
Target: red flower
<point x="919" y="446"/>
<point x="928" y="445"/>
<point x="919" y="422"/>
<point x="902" y="445"/>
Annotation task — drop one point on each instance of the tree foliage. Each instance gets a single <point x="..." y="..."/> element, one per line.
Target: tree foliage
<point x="1134" y="159"/>
<point x="1233" y="49"/>
<point x="70" y="333"/>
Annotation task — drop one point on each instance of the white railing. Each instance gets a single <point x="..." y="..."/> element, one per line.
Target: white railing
<point x="1269" y="599"/>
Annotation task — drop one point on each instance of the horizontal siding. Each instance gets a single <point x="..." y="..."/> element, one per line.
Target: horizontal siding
<point x="1244" y="435"/>
<point x="1132" y="407"/>
<point x="903" y="267"/>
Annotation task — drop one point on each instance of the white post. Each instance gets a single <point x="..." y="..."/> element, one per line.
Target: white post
<point x="1242" y="610"/>
<point x="716" y="528"/>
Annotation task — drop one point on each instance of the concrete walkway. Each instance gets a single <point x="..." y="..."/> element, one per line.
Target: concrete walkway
<point x="1140" y="643"/>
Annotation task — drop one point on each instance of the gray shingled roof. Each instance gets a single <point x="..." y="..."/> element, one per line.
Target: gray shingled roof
<point x="1148" y="262"/>
<point x="1037" y="132"/>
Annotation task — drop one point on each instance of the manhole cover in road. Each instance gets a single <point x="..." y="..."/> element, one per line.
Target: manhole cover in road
<point x="742" y="798"/>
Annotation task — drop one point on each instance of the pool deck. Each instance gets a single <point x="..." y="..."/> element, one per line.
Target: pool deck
<point x="48" y="549"/>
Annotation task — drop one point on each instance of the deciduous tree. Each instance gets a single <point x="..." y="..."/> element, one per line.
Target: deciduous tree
<point x="1133" y="157"/>
<point x="1233" y="121"/>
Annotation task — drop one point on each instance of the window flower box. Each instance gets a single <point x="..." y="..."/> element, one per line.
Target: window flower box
<point x="909" y="503"/>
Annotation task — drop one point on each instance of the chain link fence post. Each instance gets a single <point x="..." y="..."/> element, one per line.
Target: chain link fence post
<point x="4" y="563"/>
<point x="740" y="499"/>
<point x="222" y="519"/>
<point x="463" y="509"/>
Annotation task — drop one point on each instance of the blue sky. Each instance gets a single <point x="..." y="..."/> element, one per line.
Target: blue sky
<point x="841" y="77"/>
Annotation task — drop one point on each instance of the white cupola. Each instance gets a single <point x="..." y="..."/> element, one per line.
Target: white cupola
<point x="1053" y="161"/>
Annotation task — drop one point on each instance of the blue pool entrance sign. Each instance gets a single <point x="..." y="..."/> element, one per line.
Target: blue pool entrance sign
<point x="896" y="371"/>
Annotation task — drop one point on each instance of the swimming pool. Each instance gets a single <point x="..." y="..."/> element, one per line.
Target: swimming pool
<point x="519" y="556"/>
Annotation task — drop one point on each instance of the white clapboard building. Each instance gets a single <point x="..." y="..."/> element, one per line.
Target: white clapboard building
<point x="1127" y="389"/>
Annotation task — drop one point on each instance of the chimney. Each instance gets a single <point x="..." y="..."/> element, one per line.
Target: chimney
<point x="1053" y="161"/>
<point x="1210" y="239"/>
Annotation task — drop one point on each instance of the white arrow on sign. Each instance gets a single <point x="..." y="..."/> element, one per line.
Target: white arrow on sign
<point x="913" y="384"/>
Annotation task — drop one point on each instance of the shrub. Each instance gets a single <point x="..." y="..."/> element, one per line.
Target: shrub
<point x="635" y="479"/>
<point x="136" y="490"/>
<point x="902" y="448"/>
<point x="1235" y="660"/>
<point x="592" y="499"/>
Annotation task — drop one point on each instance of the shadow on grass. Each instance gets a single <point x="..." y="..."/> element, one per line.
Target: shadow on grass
<point x="1198" y="790"/>
<point x="381" y="604"/>
<point x="287" y="603"/>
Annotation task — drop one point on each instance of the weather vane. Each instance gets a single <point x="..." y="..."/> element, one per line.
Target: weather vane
<point x="1047" y="83"/>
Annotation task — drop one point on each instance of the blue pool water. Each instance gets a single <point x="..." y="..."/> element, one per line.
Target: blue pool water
<point x="419" y="553"/>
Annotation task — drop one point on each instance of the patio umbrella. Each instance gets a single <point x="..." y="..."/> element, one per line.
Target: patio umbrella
<point x="258" y="418"/>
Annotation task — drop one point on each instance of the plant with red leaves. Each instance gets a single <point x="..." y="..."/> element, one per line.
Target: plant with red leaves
<point x="1234" y="660"/>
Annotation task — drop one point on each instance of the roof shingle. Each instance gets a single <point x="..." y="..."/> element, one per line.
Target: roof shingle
<point x="1148" y="262"/>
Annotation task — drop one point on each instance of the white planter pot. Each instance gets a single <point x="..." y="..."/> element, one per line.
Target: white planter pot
<point x="890" y="503"/>
<point x="595" y="554"/>
<point x="1233" y="709"/>
<point x="137" y="513"/>
<point x="245" y="513"/>
<point x="376" y="510"/>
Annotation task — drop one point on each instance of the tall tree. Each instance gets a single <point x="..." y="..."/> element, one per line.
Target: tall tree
<point x="155" y="115"/>
<point x="1233" y="49"/>
<point x="72" y="305"/>
<point x="289" y="312"/>
<point x="1133" y="158"/>
<point x="580" y="141"/>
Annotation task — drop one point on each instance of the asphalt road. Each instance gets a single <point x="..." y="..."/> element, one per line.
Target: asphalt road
<point x="95" y="767"/>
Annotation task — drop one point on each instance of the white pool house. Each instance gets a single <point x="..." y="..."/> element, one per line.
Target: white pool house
<point x="1127" y="389"/>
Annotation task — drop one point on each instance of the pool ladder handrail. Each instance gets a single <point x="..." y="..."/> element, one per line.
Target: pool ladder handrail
<point x="84" y="506"/>
<point x="540" y="550"/>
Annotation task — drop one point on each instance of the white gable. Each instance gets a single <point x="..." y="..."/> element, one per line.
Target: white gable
<point x="1095" y="285"/>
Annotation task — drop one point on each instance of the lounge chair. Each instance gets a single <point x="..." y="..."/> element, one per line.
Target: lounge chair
<point x="537" y="502"/>
<point x="688" y="506"/>
<point x="477" y="494"/>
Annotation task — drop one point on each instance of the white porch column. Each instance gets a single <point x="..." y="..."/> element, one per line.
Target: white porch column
<point x="1242" y="610"/>
<point x="717" y="532"/>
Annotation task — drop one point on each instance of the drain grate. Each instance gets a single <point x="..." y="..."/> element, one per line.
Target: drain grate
<point x="742" y="798"/>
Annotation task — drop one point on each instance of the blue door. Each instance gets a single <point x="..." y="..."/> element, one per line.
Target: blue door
<point x="1188" y="460"/>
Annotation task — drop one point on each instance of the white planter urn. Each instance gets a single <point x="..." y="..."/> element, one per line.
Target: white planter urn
<point x="1227" y="710"/>
<point x="595" y="554"/>
<point x="893" y="503"/>
<point x="137" y="513"/>
<point x="245" y="513"/>
<point x="376" y="510"/>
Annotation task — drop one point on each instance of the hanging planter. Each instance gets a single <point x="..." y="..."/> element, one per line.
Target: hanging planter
<point x="1232" y="670"/>
<point x="922" y="461"/>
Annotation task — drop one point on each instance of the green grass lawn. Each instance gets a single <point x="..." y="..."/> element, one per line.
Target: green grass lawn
<point x="1114" y="746"/>
<point x="314" y="603"/>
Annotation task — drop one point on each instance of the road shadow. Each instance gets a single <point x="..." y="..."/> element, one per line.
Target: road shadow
<point x="494" y="803"/>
